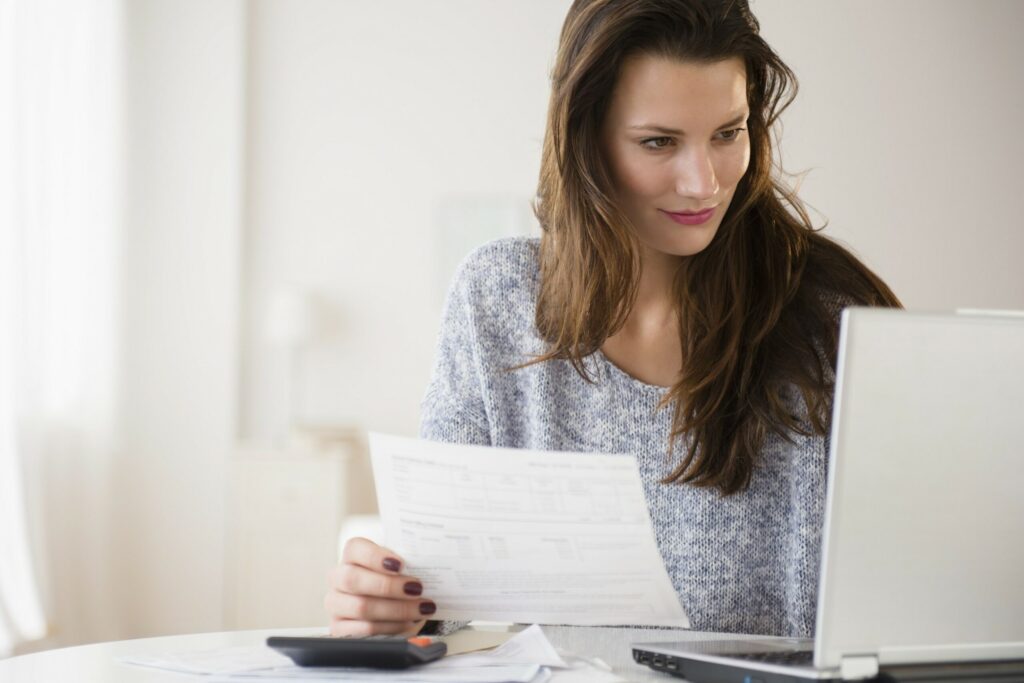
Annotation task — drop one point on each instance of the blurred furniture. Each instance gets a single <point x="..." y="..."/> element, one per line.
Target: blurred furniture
<point x="285" y="506"/>
<point x="294" y="319"/>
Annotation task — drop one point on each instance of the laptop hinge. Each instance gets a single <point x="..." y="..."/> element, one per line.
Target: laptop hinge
<point x="858" y="667"/>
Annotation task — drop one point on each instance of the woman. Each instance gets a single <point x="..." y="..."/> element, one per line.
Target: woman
<point x="679" y="308"/>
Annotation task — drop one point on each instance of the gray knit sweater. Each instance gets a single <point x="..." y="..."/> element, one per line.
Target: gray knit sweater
<point x="743" y="563"/>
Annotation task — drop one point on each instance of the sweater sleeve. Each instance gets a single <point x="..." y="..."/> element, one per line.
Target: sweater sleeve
<point x="454" y="409"/>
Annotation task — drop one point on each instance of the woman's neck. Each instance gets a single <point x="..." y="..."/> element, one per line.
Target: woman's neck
<point x="655" y="304"/>
<point x="647" y="346"/>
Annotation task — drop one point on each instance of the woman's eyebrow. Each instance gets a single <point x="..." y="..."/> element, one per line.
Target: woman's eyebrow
<point x="739" y="118"/>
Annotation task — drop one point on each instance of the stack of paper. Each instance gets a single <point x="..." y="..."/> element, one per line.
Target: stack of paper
<point x="527" y="657"/>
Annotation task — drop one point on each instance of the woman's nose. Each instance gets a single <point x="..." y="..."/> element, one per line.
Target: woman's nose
<point x="695" y="175"/>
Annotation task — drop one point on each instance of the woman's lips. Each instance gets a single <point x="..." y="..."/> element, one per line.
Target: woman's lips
<point x="690" y="218"/>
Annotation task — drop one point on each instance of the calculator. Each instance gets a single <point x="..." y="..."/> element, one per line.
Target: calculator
<point x="375" y="652"/>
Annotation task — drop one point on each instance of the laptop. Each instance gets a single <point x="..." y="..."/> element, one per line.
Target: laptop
<point x="922" y="571"/>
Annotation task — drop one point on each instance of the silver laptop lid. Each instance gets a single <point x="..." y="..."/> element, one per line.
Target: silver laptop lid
<point x="923" y="558"/>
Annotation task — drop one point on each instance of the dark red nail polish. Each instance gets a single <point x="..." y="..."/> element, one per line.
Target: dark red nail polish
<point x="391" y="564"/>
<point x="413" y="588"/>
<point x="427" y="608"/>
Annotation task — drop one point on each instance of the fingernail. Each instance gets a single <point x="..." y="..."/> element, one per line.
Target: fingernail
<point x="427" y="608"/>
<point x="413" y="588"/>
<point x="391" y="564"/>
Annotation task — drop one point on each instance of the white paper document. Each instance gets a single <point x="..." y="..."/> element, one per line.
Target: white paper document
<point x="527" y="657"/>
<point x="229" y="660"/>
<point x="523" y="536"/>
<point x="523" y="673"/>
<point x="529" y="646"/>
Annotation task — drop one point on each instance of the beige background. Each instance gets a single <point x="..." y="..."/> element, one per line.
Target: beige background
<point x="357" y="149"/>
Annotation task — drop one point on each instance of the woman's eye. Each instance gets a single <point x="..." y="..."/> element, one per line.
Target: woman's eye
<point x="730" y="135"/>
<point x="656" y="143"/>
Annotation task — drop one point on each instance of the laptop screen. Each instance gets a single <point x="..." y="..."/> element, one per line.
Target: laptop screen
<point x="923" y="553"/>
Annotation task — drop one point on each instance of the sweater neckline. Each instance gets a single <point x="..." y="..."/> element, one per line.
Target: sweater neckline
<point x="614" y="370"/>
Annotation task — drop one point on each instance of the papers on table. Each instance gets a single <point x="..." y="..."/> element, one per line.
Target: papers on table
<point x="527" y="657"/>
<point x="423" y="674"/>
<point x="530" y="646"/>
<point x="474" y="639"/>
<point x="230" y="660"/>
<point x="523" y="536"/>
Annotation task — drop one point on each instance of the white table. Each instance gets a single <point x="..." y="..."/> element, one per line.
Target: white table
<point x="99" y="662"/>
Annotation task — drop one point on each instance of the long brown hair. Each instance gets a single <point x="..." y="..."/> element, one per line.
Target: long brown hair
<point x="757" y="308"/>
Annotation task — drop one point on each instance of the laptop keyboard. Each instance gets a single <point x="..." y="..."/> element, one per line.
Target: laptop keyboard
<point x="791" y="658"/>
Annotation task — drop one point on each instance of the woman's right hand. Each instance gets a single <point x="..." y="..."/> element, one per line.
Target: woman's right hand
<point x="369" y="595"/>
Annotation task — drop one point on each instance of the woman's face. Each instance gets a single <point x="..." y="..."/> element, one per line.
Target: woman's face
<point x="675" y="145"/>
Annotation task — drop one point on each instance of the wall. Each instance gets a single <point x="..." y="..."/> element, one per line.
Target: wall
<point x="369" y="125"/>
<point x="185" y="98"/>
<point x="906" y="121"/>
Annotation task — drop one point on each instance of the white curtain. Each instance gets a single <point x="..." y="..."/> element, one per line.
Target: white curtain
<point x="59" y="215"/>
